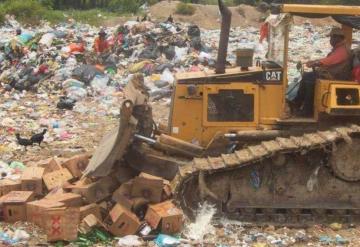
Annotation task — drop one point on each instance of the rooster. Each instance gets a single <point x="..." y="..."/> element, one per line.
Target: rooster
<point x="38" y="138"/>
<point x="22" y="141"/>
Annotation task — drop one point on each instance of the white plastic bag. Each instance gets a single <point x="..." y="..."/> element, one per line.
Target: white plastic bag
<point x="129" y="240"/>
<point x="99" y="83"/>
<point x="167" y="76"/>
<point x="47" y="39"/>
<point x="180" y="54"/>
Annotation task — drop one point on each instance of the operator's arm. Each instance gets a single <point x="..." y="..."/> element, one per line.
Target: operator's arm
<point x="336" y="57"/>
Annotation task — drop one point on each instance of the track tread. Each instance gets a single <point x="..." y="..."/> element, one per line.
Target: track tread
<point x="216" y="162"/>
<point x="230" y="159"/>
<point x="266" y="149"/>
<point x="287" y="144"/>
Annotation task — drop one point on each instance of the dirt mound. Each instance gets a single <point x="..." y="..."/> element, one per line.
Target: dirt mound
<point x="208" y="16"/>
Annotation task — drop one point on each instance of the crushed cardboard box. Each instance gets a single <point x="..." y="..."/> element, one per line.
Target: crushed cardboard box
<point x="31" y="180"/>
<point x="61" y="223"/>
<point x="96" y="191"/>
<point x="7" y="185"/>
<point x="93" y="209"/>
<point x="14" y="205"/>
<point x="76" y="165"/>
<point x="57" y="178"/>
<point x="69" y="199"/>
<point x="123" y="221"/>
<point x="35" y="210"/>
<point x="166" y="216"/>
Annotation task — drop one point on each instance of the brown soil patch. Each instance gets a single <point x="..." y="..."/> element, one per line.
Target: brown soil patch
<point x="208" y="16"/>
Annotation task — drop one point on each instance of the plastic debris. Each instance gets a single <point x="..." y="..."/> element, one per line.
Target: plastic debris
<point x="130" y="240"/>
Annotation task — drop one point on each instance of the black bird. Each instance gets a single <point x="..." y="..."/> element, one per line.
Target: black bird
<point x="22" y="141"/>
<point x="38" y="138"/>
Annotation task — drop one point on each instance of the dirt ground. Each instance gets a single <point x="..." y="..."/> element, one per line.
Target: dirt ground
<point x="208" y="17"/>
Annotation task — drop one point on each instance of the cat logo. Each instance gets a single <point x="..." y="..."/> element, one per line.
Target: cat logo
<point x="273" y="76"/>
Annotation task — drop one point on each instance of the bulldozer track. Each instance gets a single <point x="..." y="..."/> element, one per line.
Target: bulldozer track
<point x="283" y="215"/>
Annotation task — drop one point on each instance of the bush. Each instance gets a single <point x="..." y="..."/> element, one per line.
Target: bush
<point x="47" y="3"/>
<point x="152" y="2"/>
<point x="29" y="11"/>
<point x="2" y="15"/>
<point x="185" y="9"/>
<point x="125" y="6"/>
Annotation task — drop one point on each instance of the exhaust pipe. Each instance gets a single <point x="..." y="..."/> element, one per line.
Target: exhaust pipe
<point x="224" y="37"/>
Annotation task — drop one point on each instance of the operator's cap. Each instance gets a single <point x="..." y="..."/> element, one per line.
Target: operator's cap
<point x="336" y="31"/>
<point x="102" y="32"/>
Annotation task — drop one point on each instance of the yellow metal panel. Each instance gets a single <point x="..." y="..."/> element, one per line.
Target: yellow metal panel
<point x="211" y="73"/>
<point x="321" y="9"/>
<point x="185" y="117"/>
<point x="271" y="98"/>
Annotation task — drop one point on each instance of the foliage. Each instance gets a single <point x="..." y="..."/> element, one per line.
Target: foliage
<point x="152" y="2"/>
<point x="185" y="9"/>
<point x="93" y="16"/>
<point x="2" y="15"/>
<point x="30" y="11"/>
<point x="125" y="6"/>
<point x="47" y="3"/>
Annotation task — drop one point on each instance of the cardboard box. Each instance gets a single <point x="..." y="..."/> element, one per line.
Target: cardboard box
<point x="95" y="192"/>
<point x="35" y="210"/>
<point x="148" y="187"/>
<point x="14" y="205"/>
<point x="61" y="223"/>
<point x="92" y="208"/>
<point x="50" y="165"/>
<point x="122" y="195"/>
<point x="76" y="165"/>
<point x="31" y="180"/>
<point x="57" y="178"/>
<point x="90" y="222"/>
<point x="7" y="185"/>
<point x="69" y="199"/>
<point x="166" y="215"/>
<point x="123" y="221"/>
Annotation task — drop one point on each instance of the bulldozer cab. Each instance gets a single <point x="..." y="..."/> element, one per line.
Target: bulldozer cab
<point x="233" y="100"/>
<point x="332" y="97"/>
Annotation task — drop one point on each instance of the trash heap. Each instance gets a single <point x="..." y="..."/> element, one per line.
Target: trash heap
<point x="53" y="195"/>
<point x="55" y="72"/>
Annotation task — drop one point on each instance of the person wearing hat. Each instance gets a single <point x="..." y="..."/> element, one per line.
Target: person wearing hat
<point x="336" y="66"/>
<point x="101" y="45"/>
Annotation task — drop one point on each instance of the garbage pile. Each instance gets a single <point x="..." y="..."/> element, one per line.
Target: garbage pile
<point x="52" y="77"/>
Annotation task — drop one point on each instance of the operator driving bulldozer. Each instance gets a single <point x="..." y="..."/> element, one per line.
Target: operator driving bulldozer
<point x="235" y="148"/>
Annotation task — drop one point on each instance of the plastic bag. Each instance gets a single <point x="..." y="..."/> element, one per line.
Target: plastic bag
<point x="180" y="53"/>
<point x="73" y="83"/>
<point x="163" y="240"/>
<point x="130" y="240"/>
<point x="167" y="76"/>
<point x="76" y="93"/>
<point x="47" y="39"/>
<point x="99" y="83"/>
<point x="203" y="56"/>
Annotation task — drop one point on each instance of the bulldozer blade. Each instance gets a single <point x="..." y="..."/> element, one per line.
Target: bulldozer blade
<point x="144" y="159"/>
<point x="113" y="145"/>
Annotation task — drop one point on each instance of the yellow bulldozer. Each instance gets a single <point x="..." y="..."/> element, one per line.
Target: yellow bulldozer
<point x="228" y="140"/>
